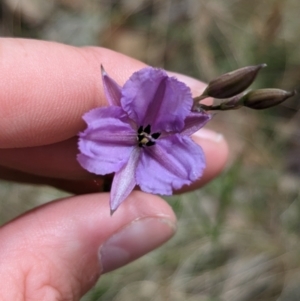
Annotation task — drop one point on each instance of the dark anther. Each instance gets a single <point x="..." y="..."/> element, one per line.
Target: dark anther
<point x="148" y="129"/>
<point x="140" y="130"/>
<point x="141" y="137"/>
<point x="150" y="143"/>
<point x="155" y="135"/>
<point x="141" y="144"/>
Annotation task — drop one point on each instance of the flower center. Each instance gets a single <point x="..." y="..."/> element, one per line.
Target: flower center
<point x="144" y="136"/>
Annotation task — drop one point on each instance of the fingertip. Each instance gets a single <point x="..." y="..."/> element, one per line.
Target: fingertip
<point x="216" y="152"/>
<point x="135" y="240"/>
<point x="59" y="243"/>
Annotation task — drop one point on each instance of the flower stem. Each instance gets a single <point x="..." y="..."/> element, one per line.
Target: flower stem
<point x="199" y="98"/>
<point x="221" y="107"/>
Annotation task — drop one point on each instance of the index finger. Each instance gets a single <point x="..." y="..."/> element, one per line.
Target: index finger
<point x="46" y="87"/>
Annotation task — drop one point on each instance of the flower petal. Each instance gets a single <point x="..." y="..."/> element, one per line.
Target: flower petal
<point x="194" y="122"/>
<point x="106" y="144"/>
<point x="172" y="162"/>
<point x="111" y="89"/>
<point x="150" y="96"/>
<point x="124" y="180"/>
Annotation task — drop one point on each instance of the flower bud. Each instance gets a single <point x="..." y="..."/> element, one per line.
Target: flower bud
<point x="265" y="98"/>
<point x="232" y="83"/>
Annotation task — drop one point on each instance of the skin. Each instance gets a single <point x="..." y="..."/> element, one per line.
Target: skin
<point x="58" y="251"/>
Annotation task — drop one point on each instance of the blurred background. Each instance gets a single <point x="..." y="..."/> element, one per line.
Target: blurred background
<point x="239" y="237"/>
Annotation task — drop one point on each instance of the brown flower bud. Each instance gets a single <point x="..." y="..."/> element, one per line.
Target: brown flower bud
<point x="265" y="98"/>
<point x="232" y="83"/>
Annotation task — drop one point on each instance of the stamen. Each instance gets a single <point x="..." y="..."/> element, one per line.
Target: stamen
<point x="140" y="137"/>
<point x="140" y="130"/>
<point x="150" y="143"/>
<point x="148" y="129"/>
<point x="155" y="135"/>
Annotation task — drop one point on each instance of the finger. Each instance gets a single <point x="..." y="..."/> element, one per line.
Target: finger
<point x="98" y="184"/>
<point x="56" y="160"/>
<point x="59" y="160"/>
<point x="49" y="86"/>
<point x="46" y="87"/>
<point x="79" y="182"/>
<point x="59" y="250"/>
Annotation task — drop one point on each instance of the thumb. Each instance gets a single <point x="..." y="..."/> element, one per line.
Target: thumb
<point x="58" y="251"/>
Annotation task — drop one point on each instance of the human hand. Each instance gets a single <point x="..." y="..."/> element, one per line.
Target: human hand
<point x="59" y="250"/>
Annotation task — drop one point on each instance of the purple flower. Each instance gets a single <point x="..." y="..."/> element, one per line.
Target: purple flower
<point x="143" y="136"/>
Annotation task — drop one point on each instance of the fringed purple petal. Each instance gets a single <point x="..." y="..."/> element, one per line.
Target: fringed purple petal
<point x="106" y="144"/>
<point x="150" y="96"/>
<point x="96" y="115"/>
<point x="124" y="180"/>
<point x="172" y="162"/>
<point x="111" y="89"/>
<point x="194" y="122"/>
<point x="143" y="135"/>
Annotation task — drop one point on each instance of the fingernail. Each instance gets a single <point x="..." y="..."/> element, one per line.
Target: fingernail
<point x="136" y="239"/>
<point x="209" y="135"/>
